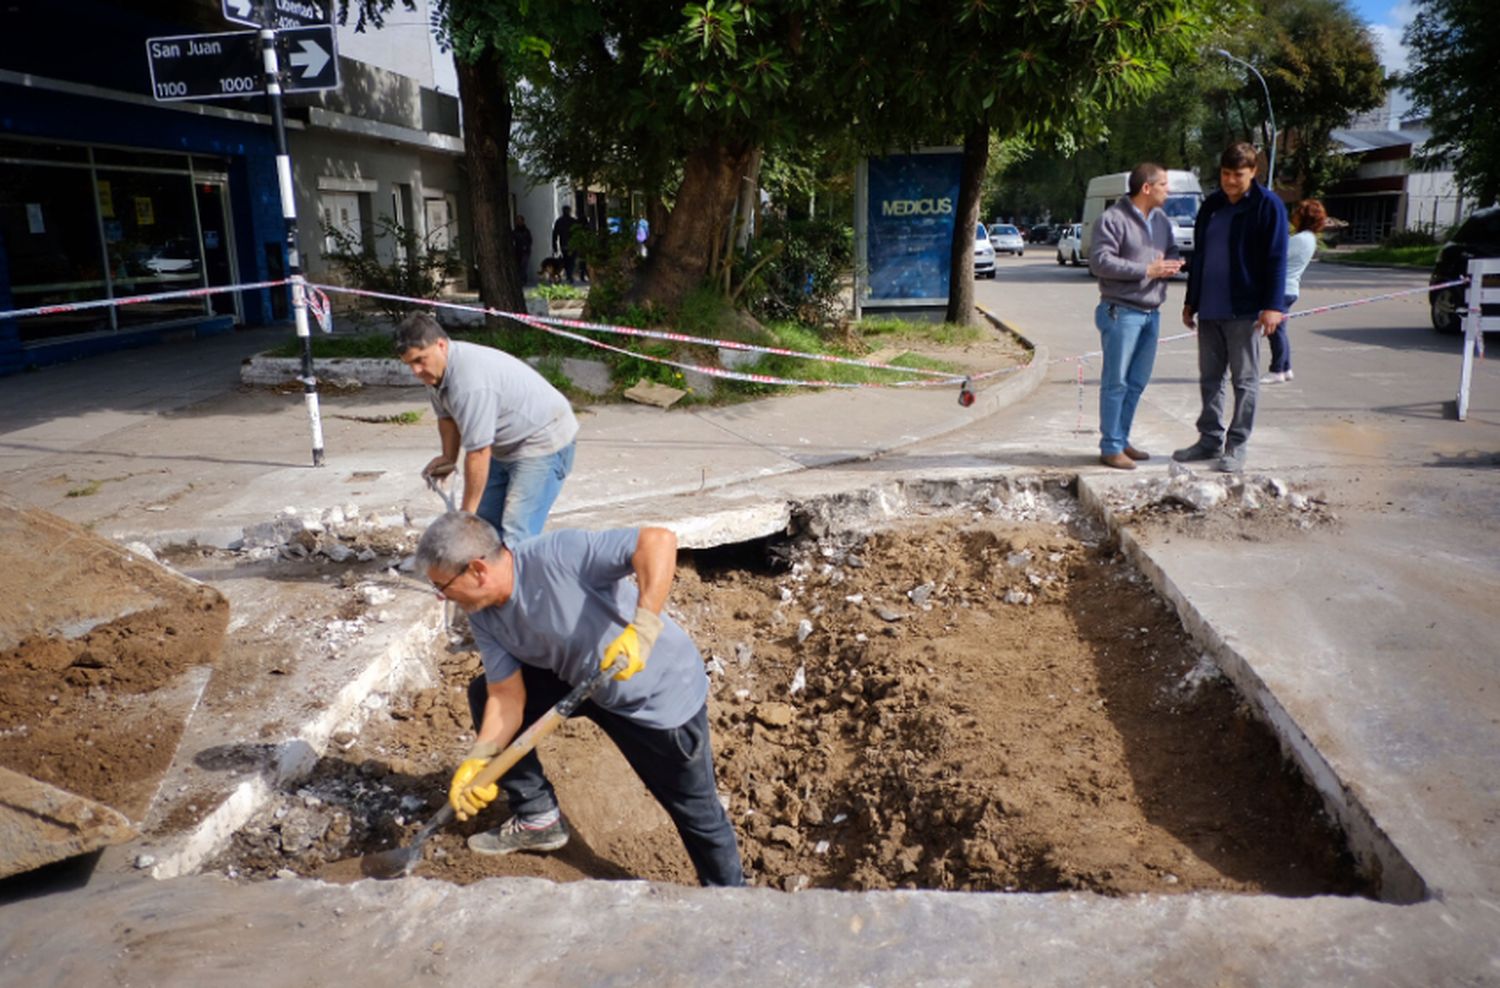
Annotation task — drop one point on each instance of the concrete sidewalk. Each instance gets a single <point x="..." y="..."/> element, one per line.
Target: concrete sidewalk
<point x="164" y="445"/>
<point x="1371" y="649"/>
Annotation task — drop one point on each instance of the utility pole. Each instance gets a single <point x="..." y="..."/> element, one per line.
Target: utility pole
<point x="1270" y="116"/>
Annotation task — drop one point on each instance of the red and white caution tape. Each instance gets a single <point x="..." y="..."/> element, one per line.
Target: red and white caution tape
<point x="101" y="303"/>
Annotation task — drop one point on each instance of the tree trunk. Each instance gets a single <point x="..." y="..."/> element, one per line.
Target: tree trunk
<point x="484" y="92"/>
<point x="965" y="221"/>
<point x="749" y="199"/>
<point x="680" y="262"/>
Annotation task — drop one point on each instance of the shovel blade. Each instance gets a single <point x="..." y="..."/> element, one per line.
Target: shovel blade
<point x="395" y="863"/>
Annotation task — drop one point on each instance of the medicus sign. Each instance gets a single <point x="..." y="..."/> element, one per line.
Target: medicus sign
<point x="903" y="225"/>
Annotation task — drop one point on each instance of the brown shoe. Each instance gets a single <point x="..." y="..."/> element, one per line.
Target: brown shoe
<point x="1137" y="454"/>
<point x="1117" y="460"/>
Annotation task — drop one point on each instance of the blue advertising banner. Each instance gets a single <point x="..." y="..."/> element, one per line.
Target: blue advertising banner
<point x="909" y="225"/>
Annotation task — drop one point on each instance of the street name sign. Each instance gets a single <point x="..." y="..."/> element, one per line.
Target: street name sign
<point x="283" y="13"/>
<point x="228" y="65"/>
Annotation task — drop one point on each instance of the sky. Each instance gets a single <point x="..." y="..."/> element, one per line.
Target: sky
<point x="1387" y="19"/>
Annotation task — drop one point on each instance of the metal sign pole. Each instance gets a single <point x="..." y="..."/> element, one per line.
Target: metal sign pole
<point x="294" y="257"/>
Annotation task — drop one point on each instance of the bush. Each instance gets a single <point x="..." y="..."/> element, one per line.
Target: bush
<point x="421" y="273"/>
<point x="796" y="271"/>
<point x="1410" y="238"/>
<point x="612" y="260"/>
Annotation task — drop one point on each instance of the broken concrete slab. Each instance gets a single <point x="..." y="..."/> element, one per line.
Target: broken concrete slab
<point x="40" y="824"/>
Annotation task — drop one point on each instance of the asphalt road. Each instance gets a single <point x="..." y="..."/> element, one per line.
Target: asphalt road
<point x="1373" y="380"/>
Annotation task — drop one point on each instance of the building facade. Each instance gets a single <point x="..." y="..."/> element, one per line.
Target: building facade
<point x="107" y="193"/>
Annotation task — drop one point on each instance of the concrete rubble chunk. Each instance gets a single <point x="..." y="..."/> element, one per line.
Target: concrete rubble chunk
<point x="40" y="824"/>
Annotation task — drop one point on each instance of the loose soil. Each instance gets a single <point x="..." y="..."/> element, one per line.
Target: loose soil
<point x="976" y="704"/>
<point x="96" y="648"/>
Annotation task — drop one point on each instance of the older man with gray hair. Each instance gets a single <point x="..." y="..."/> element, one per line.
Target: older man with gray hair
<point x="547" y="613"/>
<point x="514" y="431"/>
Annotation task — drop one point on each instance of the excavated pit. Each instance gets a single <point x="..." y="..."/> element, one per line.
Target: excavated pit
<point x="980" y="695"/>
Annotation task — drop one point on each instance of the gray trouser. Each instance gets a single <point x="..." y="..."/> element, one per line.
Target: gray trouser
<point x="1228" y="347"/>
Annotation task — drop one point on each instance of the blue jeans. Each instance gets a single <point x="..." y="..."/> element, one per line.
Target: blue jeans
<point x="520" y="493"/>
<point x="1129" y="340"/>
<point x="677" y="766"/>
<point x="1281" y="344"/>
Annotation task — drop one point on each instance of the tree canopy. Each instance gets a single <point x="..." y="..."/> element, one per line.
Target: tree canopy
<point x="1454" y="47"/>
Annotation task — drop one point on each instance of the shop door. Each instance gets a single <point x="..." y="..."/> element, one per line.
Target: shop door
<point x="218" y="254"/>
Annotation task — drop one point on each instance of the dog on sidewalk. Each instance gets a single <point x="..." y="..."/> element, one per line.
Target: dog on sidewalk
<point x="551" y="270"/>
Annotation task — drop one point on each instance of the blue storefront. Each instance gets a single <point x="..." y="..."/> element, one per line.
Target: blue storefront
<point x="106" y="194"/>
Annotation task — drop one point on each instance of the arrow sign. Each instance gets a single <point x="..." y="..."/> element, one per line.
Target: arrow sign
<point x="278" y="14"/>
<point x="308" y="58"/>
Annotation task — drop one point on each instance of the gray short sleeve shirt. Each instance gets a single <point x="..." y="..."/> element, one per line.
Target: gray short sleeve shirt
<point x="501" y="402"/>
<point x="572" y="596"/>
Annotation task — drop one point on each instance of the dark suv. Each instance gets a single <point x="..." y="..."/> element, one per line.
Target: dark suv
<point x="1479" y="236"/>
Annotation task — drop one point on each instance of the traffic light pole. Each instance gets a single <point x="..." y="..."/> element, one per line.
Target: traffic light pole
<point x="294" y="256"/>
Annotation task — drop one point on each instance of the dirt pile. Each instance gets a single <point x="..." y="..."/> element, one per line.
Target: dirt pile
<point x="991" y="701"/>
<point x="94" y="662"/>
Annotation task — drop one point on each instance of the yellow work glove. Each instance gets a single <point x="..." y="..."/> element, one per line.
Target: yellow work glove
<point x="633" y="644"/>
<point x="469" y="803"/>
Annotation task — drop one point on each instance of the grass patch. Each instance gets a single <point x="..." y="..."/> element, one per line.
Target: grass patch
<point x="1422" y="256"/>
<point x="705" y="314"/>
<point x="887" y="329"/>
<point x="87" y="490"/>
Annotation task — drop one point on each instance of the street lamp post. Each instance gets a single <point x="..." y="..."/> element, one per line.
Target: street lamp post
<point x="1270" y="114"/>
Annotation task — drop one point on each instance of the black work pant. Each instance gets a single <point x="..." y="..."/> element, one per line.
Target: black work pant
<point x="676" y="764"/>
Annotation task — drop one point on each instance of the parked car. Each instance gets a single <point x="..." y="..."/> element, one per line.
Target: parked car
<point x="1479" y="236"/>
<point x="984" y="253"/>
<point x="1007" y="239"/>
<point x="1070" y="245"/>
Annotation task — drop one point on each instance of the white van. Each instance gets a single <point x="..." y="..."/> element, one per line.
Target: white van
<point x="1182" y="205"/>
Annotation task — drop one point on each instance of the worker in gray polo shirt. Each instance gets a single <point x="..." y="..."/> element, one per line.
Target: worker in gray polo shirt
<point x="507" y="431"/>
<point x="547" y="614"/>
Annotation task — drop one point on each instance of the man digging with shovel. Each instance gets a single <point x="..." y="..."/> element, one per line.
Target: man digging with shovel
<point x="543" y="612"/>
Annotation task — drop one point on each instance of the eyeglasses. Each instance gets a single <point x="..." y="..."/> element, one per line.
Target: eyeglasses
<point x="441" y="589"/>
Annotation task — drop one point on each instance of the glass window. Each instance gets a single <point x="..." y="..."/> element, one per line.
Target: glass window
<point x="43" y="150"/>
<point x="1183" y="208"/>
<point x="151" y="237"/>
<point x="50" y="237"/>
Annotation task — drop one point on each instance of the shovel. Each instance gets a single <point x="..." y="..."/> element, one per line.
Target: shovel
<point x="399" y="861"/>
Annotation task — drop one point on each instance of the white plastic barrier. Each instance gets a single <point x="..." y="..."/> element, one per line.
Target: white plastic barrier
<point x="1476" y="322"/>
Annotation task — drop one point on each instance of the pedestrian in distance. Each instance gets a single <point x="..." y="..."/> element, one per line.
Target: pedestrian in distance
<point x="1235" y="295"/>
<point x="562" y="236"/>
<point x="520" y="242"/>
<point x="507" y="431"/>
<point x="546" y="615"/>
<point x="1307" y="222"/>
<point x="1133" y="255"/>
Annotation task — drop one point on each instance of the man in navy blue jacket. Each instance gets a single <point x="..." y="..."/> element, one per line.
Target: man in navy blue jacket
<point x="1235" y="296"/>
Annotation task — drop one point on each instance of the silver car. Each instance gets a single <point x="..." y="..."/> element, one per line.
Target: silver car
<point x="1006" y="239"/>
<point x="984" y="254"/>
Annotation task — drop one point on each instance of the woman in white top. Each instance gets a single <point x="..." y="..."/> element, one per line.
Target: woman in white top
<point x="1307" y="220"/>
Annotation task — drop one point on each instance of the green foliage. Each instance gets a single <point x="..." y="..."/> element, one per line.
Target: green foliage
<point x="1410" y="238"/>
<point x="419" y="270"/>
<point x="612" y="261"/>
<point x="373" y="346"/>
<point x="797" y="270"/>
<point x="559" y="293"/>
<point x="1410" y="256"/>
<point x="1454" y="49"/>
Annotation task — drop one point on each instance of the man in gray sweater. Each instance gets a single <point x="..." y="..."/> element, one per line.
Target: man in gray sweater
<point x="1133" y="255"/>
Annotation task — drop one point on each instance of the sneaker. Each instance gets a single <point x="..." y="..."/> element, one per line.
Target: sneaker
<point x="1233" y="461"/>
<point x="1117" y="460"/>
<point x="1275" y="377"/>
<point x="1288" y="375"/>
<point x="514" y="835"/>
<point x="1200" y="450"/>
